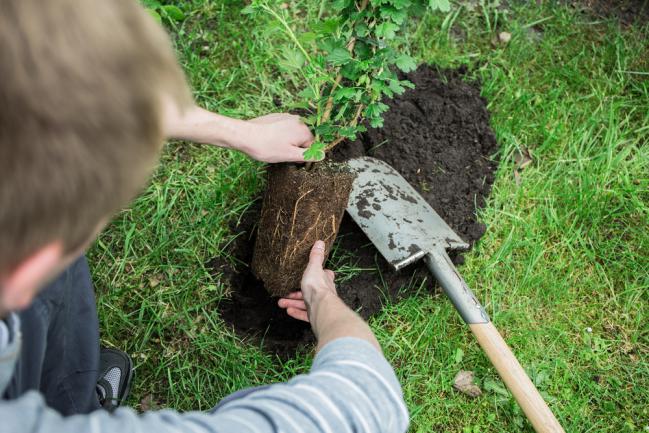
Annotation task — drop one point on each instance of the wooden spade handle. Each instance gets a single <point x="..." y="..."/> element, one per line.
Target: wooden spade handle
<point x="511" y="372"/>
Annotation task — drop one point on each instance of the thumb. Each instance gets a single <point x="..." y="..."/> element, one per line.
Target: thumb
<point x="316" y="257"/>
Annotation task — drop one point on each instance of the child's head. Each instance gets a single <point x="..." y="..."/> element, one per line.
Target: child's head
<point x="81" y="86"/>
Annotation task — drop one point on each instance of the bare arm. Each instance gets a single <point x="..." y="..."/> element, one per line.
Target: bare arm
<point x="319" y="304"/>
<point x="271" y="138"/>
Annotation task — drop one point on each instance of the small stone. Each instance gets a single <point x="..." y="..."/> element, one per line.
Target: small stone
<point x="504" y="37"/>
<point x="589" y="330"/>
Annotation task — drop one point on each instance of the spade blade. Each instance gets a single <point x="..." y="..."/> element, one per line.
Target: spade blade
<point x="396" y="218"/>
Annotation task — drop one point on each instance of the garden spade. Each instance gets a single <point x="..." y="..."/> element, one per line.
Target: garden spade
<point x="404" y="228"/>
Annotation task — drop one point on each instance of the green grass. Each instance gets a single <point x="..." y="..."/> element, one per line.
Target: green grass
<point x="563" y="268"/>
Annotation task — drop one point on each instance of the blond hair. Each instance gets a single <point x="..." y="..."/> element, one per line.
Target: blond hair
<point x="81" y="85"/>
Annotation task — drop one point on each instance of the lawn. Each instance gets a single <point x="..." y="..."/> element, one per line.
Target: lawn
<point x="563" y="268"/>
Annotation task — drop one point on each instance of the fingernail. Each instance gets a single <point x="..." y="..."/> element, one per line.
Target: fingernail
<point x="320" y="245"/>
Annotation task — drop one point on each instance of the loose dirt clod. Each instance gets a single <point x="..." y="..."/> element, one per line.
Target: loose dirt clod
<point x="300" y="207"/>
<point x="438" y="137"/>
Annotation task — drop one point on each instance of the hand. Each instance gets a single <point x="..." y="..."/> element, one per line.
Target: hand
<point x="276" y="137"/>
<point x="295" y="306"/>
<point x="316" y="284"/>
<point x="272" y="138"/>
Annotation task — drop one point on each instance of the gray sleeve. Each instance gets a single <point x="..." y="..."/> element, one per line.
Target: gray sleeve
<point x="350" y="388"/>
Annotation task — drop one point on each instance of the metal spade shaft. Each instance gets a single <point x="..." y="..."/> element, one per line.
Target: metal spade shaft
<point x="404" y="228"/>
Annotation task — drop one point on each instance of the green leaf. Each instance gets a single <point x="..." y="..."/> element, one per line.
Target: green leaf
<point x="330" y="44"/>
<point x="307" y="94"/>
<point x="396" y="87"/>
<point x="348" y="132"/>
<point x="379" y="86"/>
<point x="345" y="93"/>
<point x="441" y="5"/>
<point x="373" y="113"/>
<point x="293" y="59"/>
<point x="408" y="84"/>
<point x="386" y="30"/>
<point x="173" y="12"/>
<point x="339" y="56"/>
<point x="362" y="29"/>
<point x="307" y="37"/>
<point x="311" y="120"/>
<point x="325" y="129"/>
<point x="351" y="71"/>
<point x="155" y="15"/>
<point x="381" y="108"/>
<point x="315" y="152"/>
<point x="362" y="50"/>
<point x="406" y="63"/>
<point x="376" y="122"/>
<point x="339" y="5"/>
<point x="327" y="26"/>
<point x="398" y="16"/>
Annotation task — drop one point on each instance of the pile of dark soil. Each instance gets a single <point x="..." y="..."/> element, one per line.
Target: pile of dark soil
<point x="438" y="137"/>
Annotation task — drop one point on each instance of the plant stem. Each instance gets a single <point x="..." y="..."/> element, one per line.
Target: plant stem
<point x="354" y="122"/>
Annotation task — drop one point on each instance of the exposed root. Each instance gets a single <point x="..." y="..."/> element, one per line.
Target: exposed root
<point x="295" y="208"/>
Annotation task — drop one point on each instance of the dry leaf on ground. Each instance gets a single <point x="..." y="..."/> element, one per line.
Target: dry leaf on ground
<point x="522" y="158"/>
<point x="148" y="403"/>
<point x="463" y="382"/>
<point x="155" y="280"/>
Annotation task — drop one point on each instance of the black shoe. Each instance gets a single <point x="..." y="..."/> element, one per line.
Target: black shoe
<point x="115" y="377"/>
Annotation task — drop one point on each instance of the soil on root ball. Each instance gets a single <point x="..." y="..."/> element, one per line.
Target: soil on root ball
<point x="438" y="137"/>
<point x="300" y="206"/>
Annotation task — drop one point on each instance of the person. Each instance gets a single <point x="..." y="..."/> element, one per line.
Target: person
<point x="89" y="91"/>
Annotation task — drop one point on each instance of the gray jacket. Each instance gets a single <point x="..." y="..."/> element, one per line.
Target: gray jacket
<point x="351" y="388"/>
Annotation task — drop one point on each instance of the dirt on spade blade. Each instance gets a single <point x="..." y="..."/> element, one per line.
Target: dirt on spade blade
<point x="438" y="137"/>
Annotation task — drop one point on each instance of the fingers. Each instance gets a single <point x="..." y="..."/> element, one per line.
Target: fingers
<point x="298" y="314"/>
<point x="316" y="257"/>
<point x="295" y="295"/>
<point x="292" y="303"/>
<point x="331" y="274"/>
